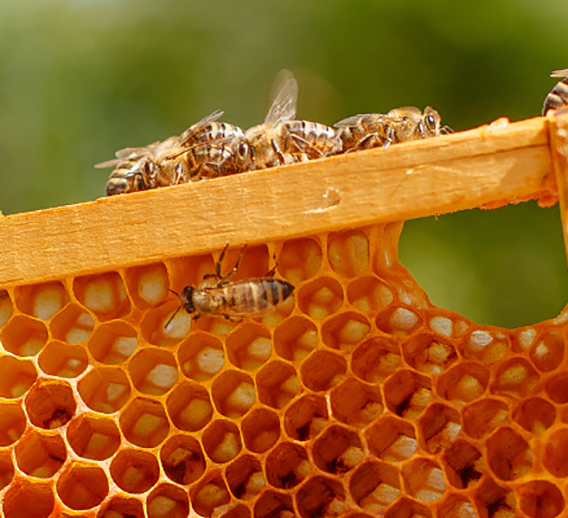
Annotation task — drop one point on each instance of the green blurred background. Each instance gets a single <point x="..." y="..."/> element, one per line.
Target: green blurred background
<point x="83" y="78"/>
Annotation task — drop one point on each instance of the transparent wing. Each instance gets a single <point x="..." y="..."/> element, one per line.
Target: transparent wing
<point x="284" y="98"/>
<point x="351" y="121"/>
<point x="199" y="126"/>
<point x="560" y="73"/>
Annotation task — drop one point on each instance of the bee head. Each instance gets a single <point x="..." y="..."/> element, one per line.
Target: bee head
<point x="186" y="298"/>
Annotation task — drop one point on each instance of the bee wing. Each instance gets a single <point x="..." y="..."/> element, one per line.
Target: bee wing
<point x="109" y="163"/>
<point x="349" y="121"/>
<point x="199" y="126"/>
<point x="284" y="98"/>
<point x="560" y="73"/>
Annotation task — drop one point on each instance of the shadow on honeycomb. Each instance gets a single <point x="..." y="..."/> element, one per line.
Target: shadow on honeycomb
<point x="355" y="398"/>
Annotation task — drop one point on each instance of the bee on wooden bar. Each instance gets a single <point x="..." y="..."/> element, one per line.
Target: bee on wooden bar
<point x="558" y="97"/>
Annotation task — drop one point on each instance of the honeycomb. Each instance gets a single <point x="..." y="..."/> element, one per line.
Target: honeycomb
<point x="356" y="397"/>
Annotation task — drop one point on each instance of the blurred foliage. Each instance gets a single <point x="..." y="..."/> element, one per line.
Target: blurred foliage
<point x="83" y="78"/>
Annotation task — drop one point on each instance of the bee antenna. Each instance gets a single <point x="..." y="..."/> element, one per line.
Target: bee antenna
<point x="174" y="292"/>
<point x="171" y="318"/>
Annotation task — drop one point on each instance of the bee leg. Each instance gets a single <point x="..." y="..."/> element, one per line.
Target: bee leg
<point x="218" y="264"/>
<point x="195" y="175"/>
<point x="196" y="316"/>
<point x="305" y="147"/>
<point x="278" y="152"/>
<point x="235" y="268"/>
<point x="272" y="271"/>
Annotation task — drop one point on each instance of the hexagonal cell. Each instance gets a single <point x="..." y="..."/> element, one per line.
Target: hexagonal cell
<point x="320" y="298"/>
<point x="391" y="439"/>
<point x="104" y="389"/>
<point x="541" y="499"/>
<point x="516" y="378"/>
<point x="147" y="284"/>
<point x="165" y="325"/>
<point x="261" y="430"/>
<point x="439" y="426"/>
<point x="104" y="294"/>
<point x="458" y="506"/>
<point x="398" y="321"/>
<point x="272" y="504"/>
<point x="493" y="500"/>
<point x="407" y="393"/>
<point x="320" y="496"/>
<point x="50" y="404"/>
<point x="487" y="346"/>
<point x="277" y="384"/>
<point x="464" y="465"/>
<point x="72" y="325"/>
<point x="281" y="312"/>
<point x="548" y="351"/>
<point x="182" y="459"/>
<point x="300" y="259"/>
<point x="6" y="469"/>
<point x="245" y="477"/>
<point x="535" y="414"/>
<point x="555" y="458"/>
<point x="23" y="336"/>
<point x="295" y="338"/>
<point x="121" y="507"/>
<point x="344" y="331"/>
<point x="424" y="479"/>
<point x="16" y="376"/>
<point x="376" y="359"/>
<point x="167" y="501"/>
<point x="28" y="499"/>
<point x="12" y="422"/>
<point x="153" y="371"/>
<point x="235" y="511"/>
<point x="556" y="388"/>
<point x="446" y="323"/>
<point x="355" y="403"/>
<point x="323" y="370"/>
<point x="144" y="422"/>
<point x="82" y="487"/>
<point x="249" y="346"/>
<point x="6" y="308"/>
<point x="209" y="494"/>
<point x="113" y="343"/>
<point x="374" y="485"/>
<point x="463" y="383"/>
<point x="93" y="437"/>
<point x="482" y="417"/>
<point x="306" y="418"/>
<point x="134" y="471"/>
<point x="406" y="507"/>
<point x="189" y="407"/>
<point x="63" y="360"/>
<point x="348" y="253"/>
<point x="429" y="353"/>
<point x="337" y="450"/>
<point x="39" y="455"/>
<point x="222" y="441"/>
<point x="41" y="300"/>
<point x="233" y="393"/>
<point x="508" y="454"/>
<point x="369" y="294"/>
<point x="287" y="465"/>
<point x="201" y="356"/>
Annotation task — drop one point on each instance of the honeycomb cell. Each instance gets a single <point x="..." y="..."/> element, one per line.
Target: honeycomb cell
<point x="548" y="352"/>
<point x="16" y="376"/>
<point x="486" y="346"/>
<point x="209" y="494"/>
<point x="121" y="507"/>
<point x="555" y="458"/>
<point x="374" y="485"/>
<point x="113" y="342"/>
<point x="348" y="253"/>
<point x="201" y="356"/>
<point x="72" y="325"/>
<point x="463" y="382"/>
<point x="63" y="360"/>
<point x="457" y="506"/>
<point x="429" y="353"/>
<point x="320" y="298"/>
<point x="50" y="404"/>
<point x="167" y="501"/>
<point x="376" y="359"/>
<point x="323" y="370"/>
<point x="391" y="439"/>
<point x="407" y="393"/>
<point x="6" y="308"/>
<point x="12" y="422"/>
<point x="300" y="259"/>
<point x="515" y="378"/>
<point x="249" y="346"/>
<point x="93" y="437"/>
<point x="541" y="499"/>
<point x="23" y="336"/>
<point x="222" y="441"/>
<point x="153" y="371"/>
<point x="148" y="284"/>
<point x="295" y="338"/>
<point x="508" y="454"/>
<point x="144" y="423"/>
<point x="482" y="417"/>
<point x="556" y="388"/>
<point x="27" y="499"/>
<point x="535" y="415"/>
<point x="442" y="324"/>
<point x="39" y="455"/>
<point x="182" y="459"/>
<point x="245" y="477"/>
<point x="464" y="464"/>
<point x="287" y="465"/>
<point x="233" y="393"/>
<point x="306" y="418"/>
<point x="236" y="511"/>
<point x="369" y="294"/>
<point x="104" y="294"/>
<point x="337" y="450"/>
<point x="493" y="500"/>
<point x="398" y="321"/>
<point x="6" y="469"/>
<point x="277" y="384"/>
<point x="261" y="430"/>
<point x="320" y="496"/>
<point x="272" y="503"/>
<point x="344" y="331"/>
<point x="355" y="403"/>
<point x="189" y="407"/>
<point x="134" y="471"/>
<point x="41" y="300"/>
<point x="439" y="426"/>
<point x="82" y="487"/>
<point x="166" y="324"/>
<point x="104" y="389"/>
<point x="424" y="479"/>
<point x="407" y="508"/>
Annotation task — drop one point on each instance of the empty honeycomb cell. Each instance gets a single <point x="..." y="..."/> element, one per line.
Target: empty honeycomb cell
<point x="121" y="507"/>
<point x="429" y="353"/>
<point x="233" y="393"/>
<point x="300" y="259"/>
<point x="144" y="423"/>
<point x="482" y="417"/>
<point x="355" y="403"/>
<point x="148" y="284"/>
<point x="337" y="450"/>
<point x="245" y="477"/>
<point x="104" y="294"/>
<point x="12" y="422"/>
<point x="306" y="418"/>
<point x="348" y="253"/>
<point x="272" y="503"/>
<point x="72" y="325"/>
<point x="41" y="300"/>
<point x="261" y="430"/>
<point x="344" y="331"/>
<point x="486" y="346"/>
<point x="320" y="298"/>
<point x="23" y="336"/>
<point x="16" y="376"/>
<point x="493" y="500"/>
<point x="182" y="459"/>
<point x="249" y="346"/>
<point x="376" y="359"/>
<point x="541" y="499"/>
<point x="548" y="351"/>
<point x="104" y="389"/>
<point x="39" y="455"/>
<point x="320" y="496"/>
<point x="287" y="465"/>
<point x="556" y="388"/>
<point x="189" y="407"/>
<point x="50" y="404"/>
<point x="153" y="371"/>
<point x="323" y="370"/>
<point x="555" y="458"/>
<point x="6" y="308"/>
<point x="439" y="426"/>
<point x="134" y="471"/>
<point x="374" y="485"/>
<point x="166" y="324"/>
<point x="446" y="324"/>
<point x="277" y="384"/>
<point x="535" y="414"/>
<point x="201" y="356"/>
<point x="27" y="499"/>
<point x="209" y="494"/>
<point x="93" y="437"/>
<point x="167" y="501"/>
<point x="516" y="378"/>
<point x="424" y="479"/>
<point x="113" y="342"/>
<point x="398" y="321"/>
<point x="63" y="360"/>
<point x="222" y="441"/>
<point x="369" y="293"/>
<point x="457" y="506"/>
<point x="295" y="338"/>
<point x="464" y="464"/>
<point x="463" y="382"/>
<point x="6" y="469"/>
<point x="508" y="454"/>
<point x="82" y="486"/>
<point x="391" y="439"/>
<point x="407" y="508"/>
<point x="407" y="393"/>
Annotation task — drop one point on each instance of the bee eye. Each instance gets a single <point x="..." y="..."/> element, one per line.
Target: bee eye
<point x="242" y="150"/>
<point x="430" y="122"/>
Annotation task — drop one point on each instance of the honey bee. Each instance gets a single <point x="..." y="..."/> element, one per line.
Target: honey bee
<point x="558" y="97"/>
